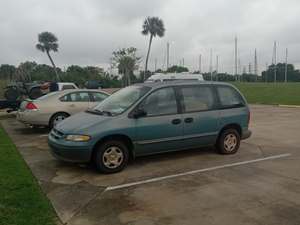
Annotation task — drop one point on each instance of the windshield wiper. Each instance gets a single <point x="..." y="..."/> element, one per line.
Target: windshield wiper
<point x="99" y="112"/>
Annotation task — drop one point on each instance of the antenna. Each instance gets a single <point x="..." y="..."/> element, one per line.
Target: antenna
<point x="235" y="55"/>
<point x="286" y="61"/>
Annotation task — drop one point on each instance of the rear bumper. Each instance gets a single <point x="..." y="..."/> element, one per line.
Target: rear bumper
<point x="246" y="134"/>
<point x="31" y="118"/>
<point x="69" y="152"/>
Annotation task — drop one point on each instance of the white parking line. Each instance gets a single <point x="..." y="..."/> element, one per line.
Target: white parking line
<point x="110" y="188"/>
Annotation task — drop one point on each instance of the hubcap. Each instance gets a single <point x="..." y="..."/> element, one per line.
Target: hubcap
<point x="113" y="157"/>
<point x="230" y="142"/>
<point x="58" y="119"/>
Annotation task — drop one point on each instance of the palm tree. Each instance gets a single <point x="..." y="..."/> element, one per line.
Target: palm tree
<point x="47" y="43"/>
<point x="153" y="26"/>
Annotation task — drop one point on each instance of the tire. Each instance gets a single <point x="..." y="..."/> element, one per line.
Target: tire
<point x="115" y="149"/>
<point x="229" y="141"/>
<point x="56" y="118"/>
<point x="35" y="93"/>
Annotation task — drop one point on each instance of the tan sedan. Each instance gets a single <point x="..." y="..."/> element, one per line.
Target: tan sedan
<point x="54" y="107"/>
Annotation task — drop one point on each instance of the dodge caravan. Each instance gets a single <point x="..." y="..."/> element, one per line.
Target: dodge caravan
<point x="151" y="118"/>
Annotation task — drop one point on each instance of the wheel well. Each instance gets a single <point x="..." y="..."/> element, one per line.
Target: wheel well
<point x="56" y="114"/>
<point x="235" y="126"/>
<point x="125" y="139"/>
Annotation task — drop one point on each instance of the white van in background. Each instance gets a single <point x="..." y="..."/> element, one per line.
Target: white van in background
<point x="160" y="77"/>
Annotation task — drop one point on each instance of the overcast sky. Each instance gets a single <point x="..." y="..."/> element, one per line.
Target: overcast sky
<point x="89" y="30"/>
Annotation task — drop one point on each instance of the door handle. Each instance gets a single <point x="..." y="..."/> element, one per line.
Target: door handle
<point x="176" y="121"/>
<point x="72" y="105"/>
<point x="188" y="120"/>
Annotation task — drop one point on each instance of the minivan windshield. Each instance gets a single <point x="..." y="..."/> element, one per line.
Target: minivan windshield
<point x="120" y="101"/>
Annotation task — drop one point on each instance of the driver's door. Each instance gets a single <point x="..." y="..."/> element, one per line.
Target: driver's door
<point x="161" y="129"/>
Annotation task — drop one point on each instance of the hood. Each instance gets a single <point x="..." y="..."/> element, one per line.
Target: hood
<point x="81" y="123"/>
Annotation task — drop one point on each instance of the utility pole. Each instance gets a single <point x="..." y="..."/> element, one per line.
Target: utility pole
<point x="210" y="64"/>
<point x="168" y="55"/>
<point x="275" y="61"/>
<point x="249" y="68"/>
<point x="235" y="56"/>
<point x="267" y="68"/>
<point x="217" y="67"/>
<point x="286" y="61"/>
<point x="239" y="69"/>
<point x="255" y="65"/>
<point x="183" y="62"/>
<point x="155" y="65"/>
<point x="200" y="64"/>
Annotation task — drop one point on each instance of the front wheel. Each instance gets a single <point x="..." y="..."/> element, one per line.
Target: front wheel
<point x="111" y="156"/>
<point x="229" y="141"/>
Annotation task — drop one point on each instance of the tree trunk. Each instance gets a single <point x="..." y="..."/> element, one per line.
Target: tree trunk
<point x="147" y="58"/>
<point x="54" y="67"/>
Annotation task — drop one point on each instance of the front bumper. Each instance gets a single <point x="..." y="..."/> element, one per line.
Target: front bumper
<point x="246" y="134"/>
<point x="78" y="152"/>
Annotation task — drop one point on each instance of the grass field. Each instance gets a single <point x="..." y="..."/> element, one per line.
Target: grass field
<point x="270" y="93"/>
<point x="21" y="199"/>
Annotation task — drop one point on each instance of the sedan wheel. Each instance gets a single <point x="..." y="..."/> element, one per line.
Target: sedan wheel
<point x="57" y="118"/>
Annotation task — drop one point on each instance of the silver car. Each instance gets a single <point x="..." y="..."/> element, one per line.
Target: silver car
<point x="54" y="107"/>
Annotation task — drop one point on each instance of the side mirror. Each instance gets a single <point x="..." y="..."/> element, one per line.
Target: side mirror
<point x="139" y="113"/>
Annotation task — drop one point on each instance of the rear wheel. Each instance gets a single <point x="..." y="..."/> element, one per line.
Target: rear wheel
<point x="57" y="118"/>
<point x="229" y="141"/>
<point x="111" y="156"/>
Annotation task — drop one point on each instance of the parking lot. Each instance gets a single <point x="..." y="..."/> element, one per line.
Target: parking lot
<point x="258" y="185"/>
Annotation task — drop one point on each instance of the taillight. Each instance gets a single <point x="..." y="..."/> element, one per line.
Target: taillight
<point x="31" y="106"/>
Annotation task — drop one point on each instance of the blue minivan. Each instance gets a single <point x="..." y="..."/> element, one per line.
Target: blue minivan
<point x="150" y="118"/>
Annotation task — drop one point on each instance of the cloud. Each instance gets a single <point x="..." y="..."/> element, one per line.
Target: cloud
<point x="88" y="31"/>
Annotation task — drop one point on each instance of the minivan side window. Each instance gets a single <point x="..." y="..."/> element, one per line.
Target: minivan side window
<point x="229" y="97"/>
<point x="197" y="98"/>
<point x="160" y="102"/>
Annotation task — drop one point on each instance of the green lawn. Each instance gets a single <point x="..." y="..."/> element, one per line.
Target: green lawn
<point x="21" y="199"/>
<point x="270" y="93"/>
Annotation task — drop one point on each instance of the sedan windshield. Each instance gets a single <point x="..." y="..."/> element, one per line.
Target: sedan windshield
<point x="121" y="100"/>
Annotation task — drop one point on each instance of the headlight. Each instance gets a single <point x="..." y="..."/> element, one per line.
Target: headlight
<point x="78" y="138"/>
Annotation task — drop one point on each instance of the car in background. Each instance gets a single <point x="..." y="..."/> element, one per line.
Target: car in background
<point x="151" y="118"/>
<point x="160" y="77"/>
<point x="54" y="107"/>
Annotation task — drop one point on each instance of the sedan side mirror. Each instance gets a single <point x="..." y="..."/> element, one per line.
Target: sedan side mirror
<point x="139" y="113"/>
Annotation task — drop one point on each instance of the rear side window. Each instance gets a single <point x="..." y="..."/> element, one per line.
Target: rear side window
<point x="229" y="97"/>
<point x="160" y="102"/>
<point x="197" y="98"/>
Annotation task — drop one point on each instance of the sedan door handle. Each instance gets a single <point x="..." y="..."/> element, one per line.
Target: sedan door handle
<point x="188" y="120"/>
<point x="176" y="121"/>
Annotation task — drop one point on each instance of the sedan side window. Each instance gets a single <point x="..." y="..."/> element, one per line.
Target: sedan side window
<point x="76" y="97"/>
<point x="229" y="97"/>
<point x="197" y="98"/>
<point x="160" y="102"/>
<point x="98" y="97"/>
